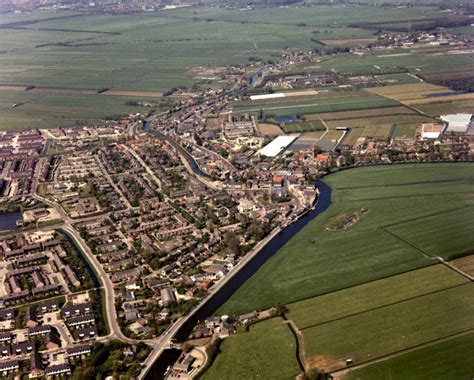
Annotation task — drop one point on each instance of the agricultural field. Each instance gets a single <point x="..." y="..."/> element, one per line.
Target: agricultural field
<point x="267" y="351"/>
<point x="446" y="234"/>
<point x="373" y="122"/>
<point x="465" y="264"/>
<point x="28" y="109"/>
<point x="436" y="109"/>
<point x="305" y="126"/>
<point x="372" y="291"/>
<point x="328" y="103"/>
<point x="393" y="195"/>
<point x="372" y="295"/>
<point x="449" y="360"/>
<point x="376" y="121"/>
<point x="403" y="325"/>
<point x="269" y="129"/>
<point x="381" y="131"/>
<point x="430" y="63"/>
<point x="404" y="131"/>
<point x="410" y="91"/>
<point x="369" y="113"/>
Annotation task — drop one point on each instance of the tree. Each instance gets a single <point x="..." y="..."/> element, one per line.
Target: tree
<point x="314" y="374"/>
<point x="280" y="309"/>
<point x="232" y="242"/>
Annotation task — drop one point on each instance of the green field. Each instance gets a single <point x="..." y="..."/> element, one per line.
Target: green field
<point x="390" y="329"/>
<point x="305" y="126"/>
<point x="449" y="360"/>
<point x="446" y="234"/>
<point x="40" y="110"/>
<point x="156" y="51"/>
<point x="318" y="105"/>
<point x="375" y="294"/>
<point x="405" y="130"/>
<point x="365" y="252"/>
<point x="267" y="351"/>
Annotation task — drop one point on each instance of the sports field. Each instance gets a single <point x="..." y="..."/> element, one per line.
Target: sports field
<point x="374" y="289"/>
<point x="267" y="351"/>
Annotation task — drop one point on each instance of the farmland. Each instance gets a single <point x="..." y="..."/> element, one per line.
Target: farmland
<point x="267" y="351"/>
<point x="374" y="289"/>
<point x="392" y="194"/>
<point x="332" y="103"/>
<point x="450" y="359"/>
<point x="29" y="109"/>
<point x="164" y="49"/>
<point x="372" y="295"/>
<point x="307" y="126"/>
<point x="402" y="326"/>
<point x="446" y="234"/>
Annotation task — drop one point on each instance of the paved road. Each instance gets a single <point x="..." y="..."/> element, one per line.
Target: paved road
<point x="104" y="278"/>
<point x="112" y="183"/>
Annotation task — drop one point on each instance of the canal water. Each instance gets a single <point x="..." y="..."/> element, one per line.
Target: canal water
<point x="8" y="220"/>
<point x="211" y="306"/>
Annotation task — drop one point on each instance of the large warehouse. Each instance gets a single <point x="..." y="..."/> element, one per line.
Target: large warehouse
<point x="277" y="146"/>
<point x="459" y="122"/>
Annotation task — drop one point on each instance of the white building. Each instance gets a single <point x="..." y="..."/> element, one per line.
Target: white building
<point x="277" y="146"/>
<point x="431" y="130"/>
<point x="459" y="122"/>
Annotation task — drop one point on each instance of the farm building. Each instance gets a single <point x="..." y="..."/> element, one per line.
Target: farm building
<point x="277" y="146"/>
<point x="459" y="122"/>
<point x="431" y="130"/>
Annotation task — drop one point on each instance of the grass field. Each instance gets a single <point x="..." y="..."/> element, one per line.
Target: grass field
<point x="404" y="130"/>
<point x="305" y="126"/>
<point x="331" y="103"/>
<point x="375" y="294"/>
<point x="449" y="360"/>
<point x="446" y="234"/>
<point x="365" y="252"/>
<point x="40" y="110"/>
<point x="390" y="329"/>
<point x="373" y="290"/>
<point x="267" y="351"/>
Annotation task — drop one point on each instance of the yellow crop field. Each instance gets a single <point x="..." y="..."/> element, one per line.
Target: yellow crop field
<point x="440" y="99"/>
<point x="412" y="91"/>
<point x="421" y="87"/>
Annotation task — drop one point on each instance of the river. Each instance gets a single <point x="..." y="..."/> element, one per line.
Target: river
<point x="211" y="306"/>
<point x="8" y="220"/>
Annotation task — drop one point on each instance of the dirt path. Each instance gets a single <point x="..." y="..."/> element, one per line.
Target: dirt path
<point x="300" y="343"/>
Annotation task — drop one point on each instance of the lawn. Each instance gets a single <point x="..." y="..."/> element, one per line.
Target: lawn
<point x="267" y="351"/>
<point x="390" y="329"/>
<point x="317" y="261"/>
<point x="449" y="360"/>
